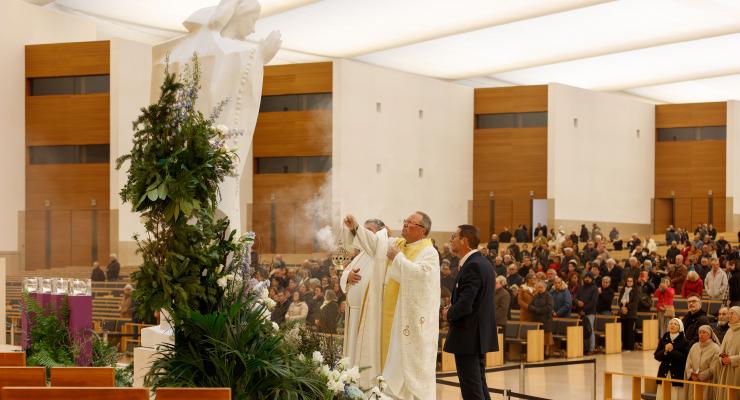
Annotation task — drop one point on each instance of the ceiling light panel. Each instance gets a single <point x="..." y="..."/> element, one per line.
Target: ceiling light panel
<point x="696" y="59"/>
<point x="585" y="32"/>
<point x="345" y="28"/>
<point x="721" y="88"/>
<point x="163" y="14"/>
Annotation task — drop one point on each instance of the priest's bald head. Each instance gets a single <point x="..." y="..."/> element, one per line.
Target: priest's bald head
<point x="416" y="227"/>
<point x="374" y="225"/>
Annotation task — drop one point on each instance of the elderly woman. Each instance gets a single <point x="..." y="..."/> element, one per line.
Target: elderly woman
<point x="524" y="297"/>
<point x="728" y="364"/>
<point x="540" y="309"/>
<point x="672" y="352"/>
<point x="562" y="301"/>
<point x="700" y="363"/>
<point x="692" y="286"/>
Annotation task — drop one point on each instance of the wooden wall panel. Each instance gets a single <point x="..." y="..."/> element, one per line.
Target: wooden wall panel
<point x="298" y="78"/>
<point x="75" y="119"/>
<point x="67" y="186"/>
<point x="68" y="59"/>
<point x="683" y="213"/>
<point x="510" y="162"/>
<point x="690" y="168"/>
<point x="692" y="114"/>
<point x="663" y="212"/>
<point x="291" y="191"/>
<point x="35" y="239"/>
<point x="699" y="211"/>
<point x="511" y="99"/>
<point x="710" y="168"/>
<point x="293" y="133"/>
<point x="719" y="213"/>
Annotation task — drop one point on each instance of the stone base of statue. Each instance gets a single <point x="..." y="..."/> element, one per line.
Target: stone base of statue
<point x="151" y="338"/>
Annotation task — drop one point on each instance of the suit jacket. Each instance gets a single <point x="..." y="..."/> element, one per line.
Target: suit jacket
<point x="472" y="315"/>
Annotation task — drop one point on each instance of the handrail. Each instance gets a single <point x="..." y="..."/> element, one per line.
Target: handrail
<point x="732" y="391"/>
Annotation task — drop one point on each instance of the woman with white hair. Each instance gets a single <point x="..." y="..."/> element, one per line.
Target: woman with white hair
<point x="728" y="363"/>
<point x="693" y="286"/>
<point x="672" y="352"/>
<point x="700" y="363"/>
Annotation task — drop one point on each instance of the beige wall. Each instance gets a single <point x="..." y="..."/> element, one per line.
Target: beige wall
<point x="130" y="80"/>
<point x="23" y="24"/>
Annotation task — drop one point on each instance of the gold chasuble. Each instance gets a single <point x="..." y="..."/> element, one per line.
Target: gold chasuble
<point x="390" y="294"/>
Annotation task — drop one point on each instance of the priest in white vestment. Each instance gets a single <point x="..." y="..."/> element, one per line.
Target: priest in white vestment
<point x="410" y="315"/>
<point x="362" y="281"/>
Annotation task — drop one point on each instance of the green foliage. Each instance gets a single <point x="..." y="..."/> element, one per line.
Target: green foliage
<point x="307" y="341"/>
<point x="125" y="376"/>
<point x="236" y="347"/>
<point x="102" y="354"/>
<point x="51" y="345"/>
<point x="176" y="164"/>
<point x="50" y="342"/>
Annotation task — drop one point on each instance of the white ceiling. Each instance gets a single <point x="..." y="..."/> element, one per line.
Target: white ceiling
<point x="661" y="50"/>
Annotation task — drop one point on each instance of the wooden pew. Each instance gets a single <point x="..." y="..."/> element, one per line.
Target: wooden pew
<point x="570" y="331"/>
<point x="74" y="393"/>
<point x="83" y="377"/>
<point x="13" y="359"/>
<point x="193" y="394"/>
<point x="22" y="376"/>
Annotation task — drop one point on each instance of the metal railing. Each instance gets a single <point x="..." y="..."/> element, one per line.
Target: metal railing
<point x="510" y="394"/>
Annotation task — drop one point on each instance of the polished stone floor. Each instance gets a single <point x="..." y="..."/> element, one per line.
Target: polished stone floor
<point x="571" y="382"/>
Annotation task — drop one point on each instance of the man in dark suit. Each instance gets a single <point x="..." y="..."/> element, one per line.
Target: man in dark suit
<point x="471" y="315"/>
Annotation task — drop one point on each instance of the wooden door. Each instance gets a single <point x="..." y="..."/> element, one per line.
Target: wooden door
<point x="682" y="208"/>
<point x="521" y="213"/>
<point x="503" y="215"/>
<point x="663" y="214"/>
<point x="36" y="236"/>
<point x="699" y="211"/>
<point x="718" y="211"/>
<point x="61" y="238"/>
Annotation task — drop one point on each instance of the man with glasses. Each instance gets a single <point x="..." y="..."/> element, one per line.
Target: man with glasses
<point x="695" y="318"/>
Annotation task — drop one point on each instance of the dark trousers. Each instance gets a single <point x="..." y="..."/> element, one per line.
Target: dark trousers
<point x="471" y="372"/>
<point x="628" y="333"/>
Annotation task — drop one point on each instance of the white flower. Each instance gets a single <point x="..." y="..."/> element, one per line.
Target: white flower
<point x="353" y="374"/>
<point x="335" y="375"/>
<point x="324" y="369"/>
<point x="229" y="277"/>
<point x="317" y="357"/>
<point x="381" y="382"/>
<point x="335" y="386"/>
<point x="205" y="272"/>
<point x="275" y="326"/>
<point x="301" y="357"/>
<point x="222" y="281"/>
<point x="344" y="363"/>
<point x="223" y="129"/>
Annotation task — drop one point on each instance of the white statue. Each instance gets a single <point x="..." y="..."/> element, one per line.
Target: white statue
<point x="232" y="69"/>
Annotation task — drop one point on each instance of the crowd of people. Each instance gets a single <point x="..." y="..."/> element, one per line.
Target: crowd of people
<point x="555" y="274"/>
<point x="310" y="294"/>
